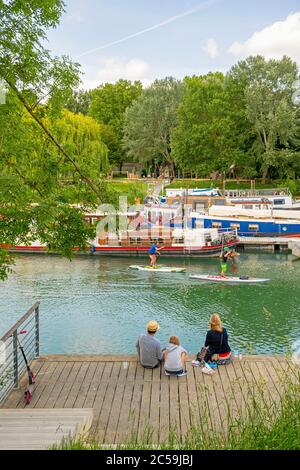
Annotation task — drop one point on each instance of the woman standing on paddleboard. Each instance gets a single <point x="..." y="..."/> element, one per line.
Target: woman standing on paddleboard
<point x="153" y="252"/>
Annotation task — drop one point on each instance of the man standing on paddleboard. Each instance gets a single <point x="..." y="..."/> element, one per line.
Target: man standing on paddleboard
<point x="227" y="254"/>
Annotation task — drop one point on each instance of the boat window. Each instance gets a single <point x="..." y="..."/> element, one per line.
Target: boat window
<point x="279" y="202"/>
<point x="235" y="226"/>
<point x="253" y="227"/>
<point x="216" y="225"/>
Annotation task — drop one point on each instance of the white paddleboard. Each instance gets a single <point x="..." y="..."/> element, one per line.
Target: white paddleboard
<point x="233" y="280"/>
<point x="159" y="269"/>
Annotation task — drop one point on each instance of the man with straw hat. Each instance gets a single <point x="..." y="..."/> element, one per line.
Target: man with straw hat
<point x="148" y="347"/>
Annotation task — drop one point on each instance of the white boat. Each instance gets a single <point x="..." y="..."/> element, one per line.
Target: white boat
<point x="227" y="279"/>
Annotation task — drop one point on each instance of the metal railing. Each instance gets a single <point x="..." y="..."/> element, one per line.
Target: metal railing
<point x="256" y="192"/>
<point x="12" y="364"/>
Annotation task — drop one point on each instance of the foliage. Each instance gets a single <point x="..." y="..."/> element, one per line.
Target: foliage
<point x="150" y="121"/>
<point x="33" y="162"/>
<point x="81" y="136"/>
<point x="210" y="130"/>
<point x="269" y="86"/>
<point x="79" y="102"/>
<point x="108" y="106"/>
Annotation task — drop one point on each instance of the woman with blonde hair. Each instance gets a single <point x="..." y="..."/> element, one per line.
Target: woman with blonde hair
<point x="217" y="341"/>
<point x="175" y="358"/>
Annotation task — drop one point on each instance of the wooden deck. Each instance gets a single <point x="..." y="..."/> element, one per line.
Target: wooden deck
<point x="128" y="400"/>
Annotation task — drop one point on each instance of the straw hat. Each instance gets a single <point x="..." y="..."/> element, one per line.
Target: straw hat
<point x="152" y="326"/>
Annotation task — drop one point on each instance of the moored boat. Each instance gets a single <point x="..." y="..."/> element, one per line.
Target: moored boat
<point x="201" y="243"/>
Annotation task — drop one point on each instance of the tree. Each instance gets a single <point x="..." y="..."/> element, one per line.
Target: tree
<point x="108" y="106"/>
<point x="210" y="132"/>
<point x="268" y="90"/>
<point x="81" y="136"/>
<point x="150" y="120"/>
<point x="80" y="102"/>
<point x="33" y="198"/>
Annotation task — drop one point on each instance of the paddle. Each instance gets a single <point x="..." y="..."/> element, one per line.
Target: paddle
<point x="234" y="269"/>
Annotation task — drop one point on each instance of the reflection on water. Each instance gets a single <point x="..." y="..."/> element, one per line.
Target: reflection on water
<point x="97" y="305"/>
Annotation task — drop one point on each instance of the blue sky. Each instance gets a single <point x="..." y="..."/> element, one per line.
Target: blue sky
<point x="197" y="36"/>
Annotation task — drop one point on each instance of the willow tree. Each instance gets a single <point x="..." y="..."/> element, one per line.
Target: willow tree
<point x="31" y="152"/>
<point x="82" y="137"/>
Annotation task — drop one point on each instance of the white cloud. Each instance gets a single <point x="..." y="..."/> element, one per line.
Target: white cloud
<point x="113" y="69"/>
<point x="279" y="39"/>
<point x="211" y="48"/>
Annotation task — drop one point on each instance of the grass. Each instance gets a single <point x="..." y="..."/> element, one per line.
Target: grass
<point x="267" y="425"/>
<point x="132" y="189"/>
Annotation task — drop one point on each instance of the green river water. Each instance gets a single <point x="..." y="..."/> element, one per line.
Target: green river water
<point x="97" y="305"/>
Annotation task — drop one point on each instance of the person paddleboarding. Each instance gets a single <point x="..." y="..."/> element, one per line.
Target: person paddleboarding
<point x="227" y="254"/>
<point x="153" y="254"/>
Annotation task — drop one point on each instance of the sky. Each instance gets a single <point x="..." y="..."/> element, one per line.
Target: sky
<point x="148" y="39"/>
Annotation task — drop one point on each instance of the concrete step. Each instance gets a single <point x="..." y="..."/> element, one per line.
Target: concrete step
<point x="39" y="429"/>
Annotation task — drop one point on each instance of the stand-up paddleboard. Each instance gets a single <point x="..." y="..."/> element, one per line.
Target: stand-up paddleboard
<point x="232" y="280"/>
<point x="159" y="269"/>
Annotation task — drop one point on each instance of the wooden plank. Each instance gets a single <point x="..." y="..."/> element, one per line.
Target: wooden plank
<point x="78" y="383"/>
<point x="39" y="401"/>
<point x="143" y="429"/>
<point x="94" y="385"/>
<point x="40" y="429"/>
<point x="185" y="419"/>
<point x="112" y="425"/>
<point x="107" y="402"/>
<point x="235" y="391"/>
<point x="212" y="402"/>
<point x="68" y="383"/>
<point x="133" y="424"/>
<point x="59" y="384"/>
<point x="275" y="377"/>
<point x="99" y="398"/>
<point x="193" y="397"/>
<point x="221" y="387"/>
<point x="174" y="407"/>
<point x="155" y="405"/>
<point x="203" y="399"/>
<point x="122" y="432"/>
<point x="251" y="387"/>
<point x="164" y="416"/>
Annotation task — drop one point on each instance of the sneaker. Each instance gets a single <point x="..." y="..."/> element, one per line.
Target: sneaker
<point x="182" y="374"/>
<point x="167" y="373"/>
<point x="207" y="370"/>
<point x="195" y="363"/>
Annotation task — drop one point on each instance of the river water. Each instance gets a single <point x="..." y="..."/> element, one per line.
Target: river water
<point x="97" y="305"/>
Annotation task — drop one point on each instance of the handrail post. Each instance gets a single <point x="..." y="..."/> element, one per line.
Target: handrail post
<point x="15" y="351"/>
<point x="37" y="331"/>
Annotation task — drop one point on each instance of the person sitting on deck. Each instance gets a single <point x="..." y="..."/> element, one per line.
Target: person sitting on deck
<point x="149" y="348"/>
<point x="216" y="341"/>
<point x="175" y="358"/>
